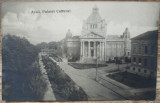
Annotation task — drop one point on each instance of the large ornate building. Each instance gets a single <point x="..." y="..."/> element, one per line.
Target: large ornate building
<point x="94" y="42"/>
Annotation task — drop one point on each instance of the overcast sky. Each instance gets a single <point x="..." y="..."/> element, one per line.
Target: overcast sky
<point x="17" y="18"/>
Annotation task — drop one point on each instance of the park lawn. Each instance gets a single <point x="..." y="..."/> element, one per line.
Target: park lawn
<point x="85" y="66"/>
<point x="133" y="80"/>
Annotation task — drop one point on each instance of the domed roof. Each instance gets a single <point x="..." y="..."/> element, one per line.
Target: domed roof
<point x="126" y="33"/>
<point x="68" y="34"/>
<point x="94" y="17"/>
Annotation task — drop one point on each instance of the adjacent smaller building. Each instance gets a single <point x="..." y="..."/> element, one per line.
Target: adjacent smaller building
<point x="71" y="47"/>
<point x="144" y="54"/>
<point x="118" y="46"/>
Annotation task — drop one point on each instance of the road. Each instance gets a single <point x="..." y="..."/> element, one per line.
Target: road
<point x="105" y="88"/>
<point x="94" y="89"/>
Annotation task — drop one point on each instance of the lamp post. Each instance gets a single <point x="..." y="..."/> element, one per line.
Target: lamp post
<point x="97" y="57"/>
<point x="97" y="68"/>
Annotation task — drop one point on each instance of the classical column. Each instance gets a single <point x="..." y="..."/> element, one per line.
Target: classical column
<point x="83" y="48"/>
<point x="100" y="49"/>
<point x="94" y="48"/>
<point x="103" y="51"/>
<point x="89" y="50"/>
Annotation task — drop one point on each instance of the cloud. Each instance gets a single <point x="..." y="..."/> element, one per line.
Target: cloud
<point x="40" y="27"/>
<point x="53" y="27"/>
<point x="118" y="28"/>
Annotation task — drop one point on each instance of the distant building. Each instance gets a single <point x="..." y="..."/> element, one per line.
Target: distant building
<point x="72" y="46"/>
<point x="144" y="54"/>
<point x="47" y="51"/>
<point x="118" y="46"/>
<point x="93" y="42"/>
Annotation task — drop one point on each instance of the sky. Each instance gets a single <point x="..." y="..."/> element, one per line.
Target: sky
<point x="18" y="18"/>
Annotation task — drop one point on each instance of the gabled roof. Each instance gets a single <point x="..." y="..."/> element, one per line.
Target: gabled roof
<point x="97" y="34"/>
<point x="92" y="33"/>
<point x="149" y="35"/>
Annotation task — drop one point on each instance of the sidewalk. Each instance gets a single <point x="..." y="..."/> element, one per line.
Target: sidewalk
<point x="49" y="95"/>
<point x="93" y="89"/>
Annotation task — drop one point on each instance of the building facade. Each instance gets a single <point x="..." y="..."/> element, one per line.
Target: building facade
<point x="93" y="37"/>
<point x="94" y="43"/>
<point x="144" y="54"/>
<point x="118" y="46"/>
<point x="71" y="47"/>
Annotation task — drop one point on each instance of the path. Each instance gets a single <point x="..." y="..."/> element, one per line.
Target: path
<point x="49" y="95"/>
<point x="106" y="89"/>
<point x="93" y="89"/>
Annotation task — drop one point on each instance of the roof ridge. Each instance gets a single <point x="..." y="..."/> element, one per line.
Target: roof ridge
<point x="153" y="34"/>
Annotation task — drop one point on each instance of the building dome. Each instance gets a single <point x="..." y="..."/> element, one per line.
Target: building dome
<point x="94" y="17"/>
<point x="126" y="34"/>
<point x="94" y="24"/>
<point x="68" y="34"/>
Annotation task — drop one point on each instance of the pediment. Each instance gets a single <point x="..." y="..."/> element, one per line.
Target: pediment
<point x="92" y="35"/>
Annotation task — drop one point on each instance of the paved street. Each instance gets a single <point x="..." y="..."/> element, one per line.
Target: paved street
<point x="84" y="79"/>
<point x="105" y="88"/>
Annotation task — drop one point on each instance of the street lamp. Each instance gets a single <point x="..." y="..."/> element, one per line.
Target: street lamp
<point x="96" y="69"/>
<point x="97" y="57"/>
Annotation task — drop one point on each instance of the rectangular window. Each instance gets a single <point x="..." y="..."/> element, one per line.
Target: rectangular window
<point x="145" y="71"/>
<point x="139" y="50"/>
<point x="139" y="61"/>
<point x="91" y="44"/>
<point x="133" y="68"/>
<point x="134" y="49"/>
<point x="92" y="53"/>
<point x="152" y="49"/>
<point x="152" y="63"/>
<point x="145" y="62"/>
<point x="146" y="50"/>
<point x="134" y="60"/>
<point x="139" y="70"/>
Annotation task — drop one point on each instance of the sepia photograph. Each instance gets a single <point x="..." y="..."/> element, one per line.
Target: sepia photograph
<point x="79" y="51"/>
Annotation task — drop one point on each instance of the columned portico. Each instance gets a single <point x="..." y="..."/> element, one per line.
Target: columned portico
<point x="92" y="49"/>
<point x="93" y="34"/>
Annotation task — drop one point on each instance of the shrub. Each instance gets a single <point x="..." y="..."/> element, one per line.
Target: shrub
<point x="35" y="82"/>
<point x="61" y="83"/>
